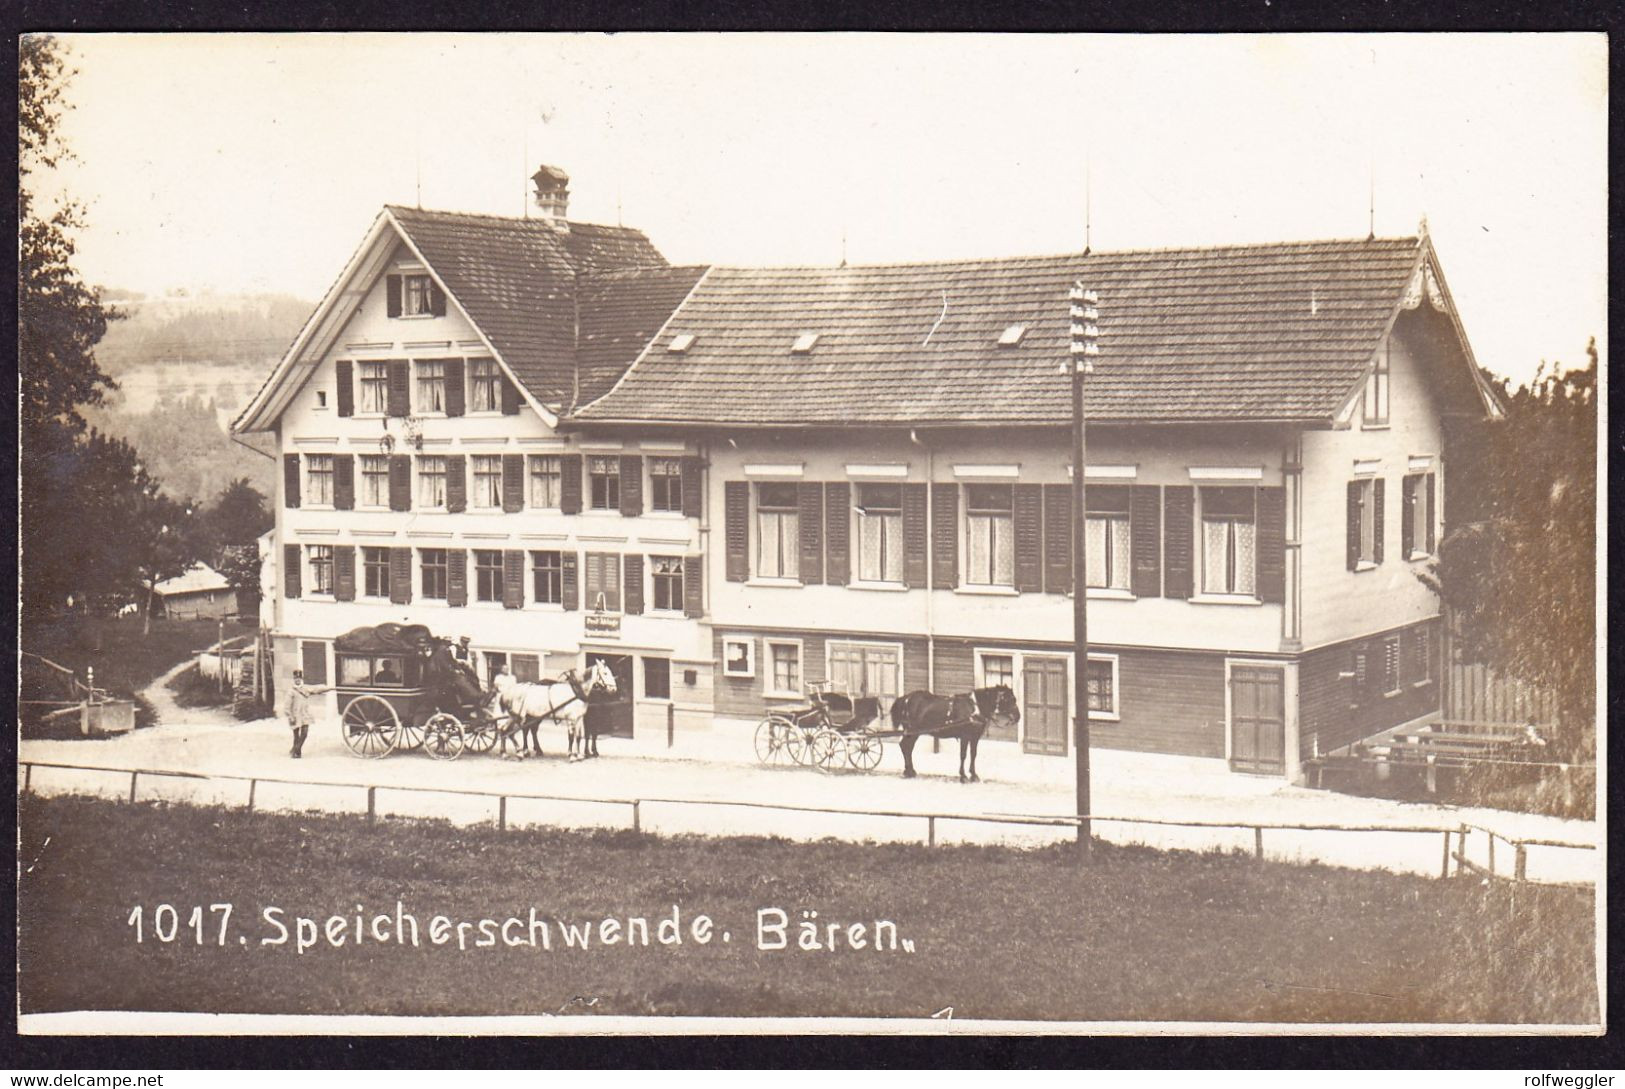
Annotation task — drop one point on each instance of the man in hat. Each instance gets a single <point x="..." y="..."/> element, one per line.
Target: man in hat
<point x="299" y="712"/>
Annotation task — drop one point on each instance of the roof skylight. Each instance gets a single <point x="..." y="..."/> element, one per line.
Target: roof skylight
<point x="804" y="343"/>
<point x="681" y="342"/>
<point x="1012" y="335"/>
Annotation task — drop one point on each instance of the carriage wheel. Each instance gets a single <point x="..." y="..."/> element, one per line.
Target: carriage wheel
<point x="443" y="737"/>
<point x="797" y="742"/>
<point x="411" y="736"/>
<point x="773" y="741"/>
<point x="480" y="735"/>
<point x="863" y="751"/>
<point x="825" y="749"/>
<point x="371" y="727"/>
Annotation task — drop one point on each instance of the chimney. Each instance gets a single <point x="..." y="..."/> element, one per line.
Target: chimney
<point x="552" y="193"/>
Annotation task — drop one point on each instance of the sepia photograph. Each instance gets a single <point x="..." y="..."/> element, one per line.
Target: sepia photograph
<point x="649" y="534"/>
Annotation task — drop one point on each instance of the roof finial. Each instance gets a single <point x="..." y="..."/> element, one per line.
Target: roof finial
<point x="1422" y="227"/>
<point x="1088" y="200"/>
<point x="843" y="245"/>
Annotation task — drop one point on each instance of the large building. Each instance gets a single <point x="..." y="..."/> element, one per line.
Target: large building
<point x="731" y="483"/>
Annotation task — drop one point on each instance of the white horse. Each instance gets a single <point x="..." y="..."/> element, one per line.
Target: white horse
<point x="564" y="701"/>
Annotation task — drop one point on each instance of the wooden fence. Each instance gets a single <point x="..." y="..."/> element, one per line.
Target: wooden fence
<point x="1473" y="692"/>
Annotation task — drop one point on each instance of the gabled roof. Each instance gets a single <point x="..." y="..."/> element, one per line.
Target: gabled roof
<point x="1279" y="332"/>
<point x="197" y="578"/>
<point x="528" y="287"/>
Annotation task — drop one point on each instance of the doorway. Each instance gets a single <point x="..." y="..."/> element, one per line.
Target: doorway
<point x="1044" y="715"/>
<point x="612" y="716"/>
<point x="1257" y="719"/>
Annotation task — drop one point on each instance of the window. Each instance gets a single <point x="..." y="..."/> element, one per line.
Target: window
<point x="1102" y="687"/>
<point x="432" y="481"/>
<point x="784" y="668"/>
<point x="495" y="662"/>
<point x="1376" y="391"/>
<point x="487" y="574"/>
<point x="1229" y="541"/>
<point x="1422" y="649"/>
<point x="319" y="479"/>
<point x="657" y="678"/>
<point x="1107" y="535"/>
<point x="667" y="572"/>
<point x="1419" y="513"/>
<point x="739" y="656"/>
<point x="998" y="669"/>
<point x="431" y="385"/>
<point x="864" y="669"/>
<point x="547" y="578"/>
<point x="1358" y="678"/>
<point x="604" y="478"/>
<point x="880" y="532"/>
<point x="1367" y="494"/>
<point x="433" y="562"/>
<point x="374" y="480"/>
<point x="778" y="521"/>
<point x="545" y="478"/>
<point x="989" y="544"/>
<point x="374" y="572"/>
<point x="374" y="383"/>
<point x="1390" y="665"/>
<point x="603" y="581"/>
<point x="487" y="481"/>
<point x="321" y="569"/>
<point x="666" y="484"/>
<point x="527" y="668"/>
<point x="484" y="386"/>
<point x="415" y="293"/>
<point x="321" y="398"/>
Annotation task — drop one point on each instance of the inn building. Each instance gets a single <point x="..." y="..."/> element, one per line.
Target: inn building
<point x="733" y="483"/>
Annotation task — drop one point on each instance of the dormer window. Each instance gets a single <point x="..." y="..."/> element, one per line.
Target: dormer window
<point x="804" y="343"/>
<point x="1012" y="336"/>
<point x="681" y="342"/>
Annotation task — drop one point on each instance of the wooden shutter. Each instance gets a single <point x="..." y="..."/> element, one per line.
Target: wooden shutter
<point x="344" y="382"/>
<point x="513" y="578"/>
<point x="838" y="533"/>
<point x="437" y="300"/>
<point x="1029" y="534"/>
<point x="344" y="482"/>
<point x="400" y="575"/>
<point x="570" y="484"/>
<point x="569" y="580"/>
<point x="456" y="483"/>
<point x="631" y="485"/>
<point x="1376" y="520"/>
<point x="1407" y="516"/>
<point x="290" y="570"/>
<point x="290" y="480"/>
<point x="945" y="536"/>
<point x="1145" y="540"/>
<point x="1353" y="556"/>
<point x="392" y="295"/>
<point x="400" y="388"/>
<point x="513" y="483"/>
<point x="1179" y="512"/>
<point x="510" y="397"/>
<point x="1432" y="512"/>
<point x="693" y="495"/>
<point x="456" y="396"/>
<point x="344" y="572"/>
<point x="693" y="585"/>
<point x="400" y="482"/>
<point x="633" y="584"/>
<point x="1057" y="538"/>
<point x="811" y="501"/>
<point x="1272" y="545"/>
<point x="736" y="530"/>
<point x="313" y="660"/>
<point x="916" y="536"/>
<point x="456" y="577"/>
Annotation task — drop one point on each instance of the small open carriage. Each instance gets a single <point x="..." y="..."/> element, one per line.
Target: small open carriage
<point x="833" y="728"/>
<point x="399" y="688"/>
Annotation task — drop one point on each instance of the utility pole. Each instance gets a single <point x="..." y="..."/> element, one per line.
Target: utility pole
<point x="1083" y="348"/>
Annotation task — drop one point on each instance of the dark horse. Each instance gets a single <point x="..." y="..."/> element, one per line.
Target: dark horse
<point x="966" y="717"/>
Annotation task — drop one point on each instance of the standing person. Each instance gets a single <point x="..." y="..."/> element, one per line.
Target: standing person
<point x="299" y="713"/>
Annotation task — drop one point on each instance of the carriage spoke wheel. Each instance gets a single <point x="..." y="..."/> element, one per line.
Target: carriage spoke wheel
<point x="480" y="735"/>
<point x="411" y="736"/>
<point x="371" y="727"/>
<point x="773" y="741"/>
<point x="443" y="737"/>
<point x="863" y="751"/>
<point x="797" y="742"/>
<point x="825" y="749"/>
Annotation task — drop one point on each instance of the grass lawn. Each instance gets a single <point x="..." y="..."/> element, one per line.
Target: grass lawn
<point x="996" y="932"/>
<point x="192" y="689"/>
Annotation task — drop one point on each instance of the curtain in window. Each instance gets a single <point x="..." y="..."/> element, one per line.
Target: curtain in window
<point x="780" y="536"/>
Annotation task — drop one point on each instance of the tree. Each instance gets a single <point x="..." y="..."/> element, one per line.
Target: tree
<point x="240" y="515"/>
<point x="165" y="544"/>
<point x="1518" y="570"/>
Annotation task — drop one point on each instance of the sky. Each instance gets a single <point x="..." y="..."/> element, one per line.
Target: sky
<point x="244" y="162"/>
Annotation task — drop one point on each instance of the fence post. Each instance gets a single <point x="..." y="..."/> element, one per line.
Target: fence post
<point x="671" y="724"/>
<point x="372" y="804"/>
<point x="252" y="784"/>
<point x="930" y="831"/>
<point x="637" y="819"/>
<point x="1258" y="843"/>
<point x="1491" y="836"/>
<point x="1444" y="864"/>
<point x="28" y="777"/>
<point x="502" y="813"/>
<point x="133" y="774"/>
<point x="1520" y="861"/>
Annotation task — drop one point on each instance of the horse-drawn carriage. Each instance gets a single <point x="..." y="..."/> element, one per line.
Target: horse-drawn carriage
<point x="400" y="688"/>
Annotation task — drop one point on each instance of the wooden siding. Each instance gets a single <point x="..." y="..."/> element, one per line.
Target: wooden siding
<point x="1333" y="715"/>
<point x="741" y="697"/>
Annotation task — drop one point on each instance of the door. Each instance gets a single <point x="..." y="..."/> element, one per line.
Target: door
<point x="1044" y="705"/>
<point x="863" y="669"/>
<point x="1257" y="719"/>
<point x="612" y="715"/>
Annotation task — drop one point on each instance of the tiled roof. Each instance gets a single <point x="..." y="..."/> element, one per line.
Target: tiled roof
<point x="620" y="313"/>
<point x="1263" y="332"/>
<point x="518" y="280"/>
